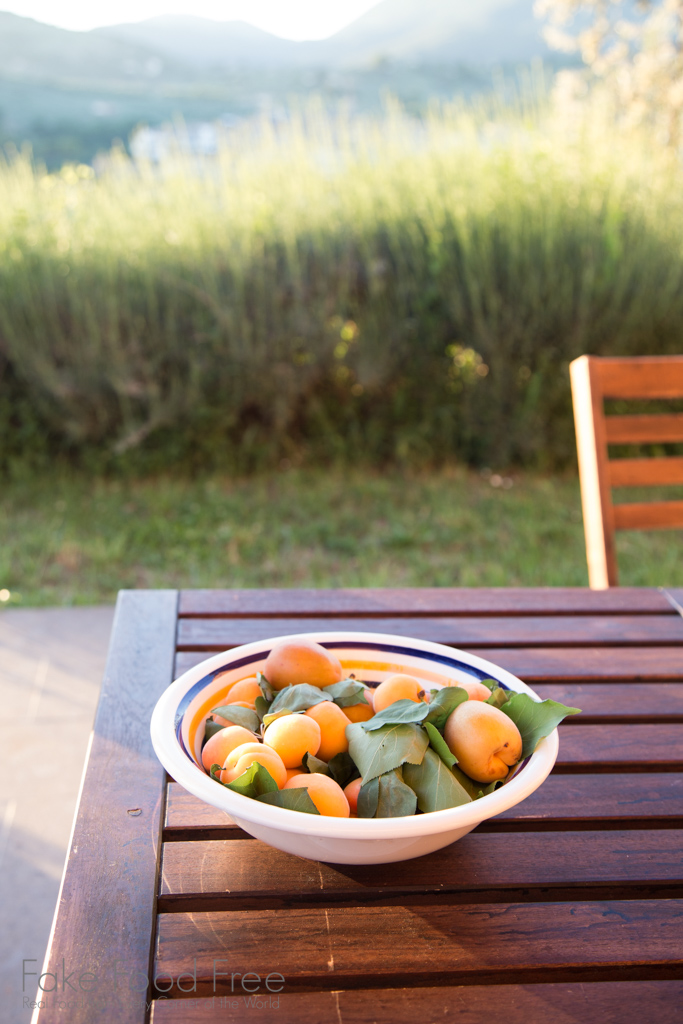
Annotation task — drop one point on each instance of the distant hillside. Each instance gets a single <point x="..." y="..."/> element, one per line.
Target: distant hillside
<point x="472" y="32"/>
<point x="31" y="50"/>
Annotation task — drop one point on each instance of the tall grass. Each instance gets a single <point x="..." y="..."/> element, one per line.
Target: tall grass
<point x="334" y="288"/>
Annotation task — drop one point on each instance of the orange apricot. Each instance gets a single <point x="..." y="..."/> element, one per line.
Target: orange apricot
<point x="301" y="661"/>
<point x="291" y="772"/>
<point x="241" y="758"/>
<point x="222" y="743"/>
<point x="351" y="792"/>
<point x="326" y="794"/>
<point x="246" y="690"/>
<point x="333" y="723"/>
<point x="398" y="687"/>
<point x="475" y="689"/>
<point x="292" y="736"/>
<point x="361" y="712"/>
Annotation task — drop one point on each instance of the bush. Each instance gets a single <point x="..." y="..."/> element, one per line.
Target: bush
<point x="390" y="291"/>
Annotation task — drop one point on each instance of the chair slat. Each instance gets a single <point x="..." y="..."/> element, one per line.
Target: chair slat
<point x="646" y="472"/>
<point x="641" y="377"/>
<point x="644" y="429"/>
<point x="656" y="515"/>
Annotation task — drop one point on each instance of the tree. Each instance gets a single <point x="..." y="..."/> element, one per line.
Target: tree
<point x="633" y="51"/>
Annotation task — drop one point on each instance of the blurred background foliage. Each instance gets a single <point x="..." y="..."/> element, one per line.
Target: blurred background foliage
<point x="385" y="289"/>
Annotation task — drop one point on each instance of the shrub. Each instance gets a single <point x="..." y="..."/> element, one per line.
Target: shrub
<point x="333" y="289"/>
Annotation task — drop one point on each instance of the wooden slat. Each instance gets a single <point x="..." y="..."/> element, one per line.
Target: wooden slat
<point x="625" y="1002"/>
<point x="418" y="601"/>
<point x="639" y="748"/>
<point x="480" y="868"/>
<point x="644" y="429"/>
<point x="622" y="800"/>
<point x="637" y="664"/>
<point x="376" y="946"/>
<point x="537" y="631"/>
<point x="640" y="376"/>
<point x="646" y="472"/>
<point x="655" y="515"/>
<point x="607" y="702"/>
<point x="108" y="891"/>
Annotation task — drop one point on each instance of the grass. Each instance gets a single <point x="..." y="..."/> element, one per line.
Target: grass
<point x="69" y="540"/>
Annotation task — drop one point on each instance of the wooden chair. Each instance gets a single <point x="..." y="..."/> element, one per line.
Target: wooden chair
<point x="594" y="379"/>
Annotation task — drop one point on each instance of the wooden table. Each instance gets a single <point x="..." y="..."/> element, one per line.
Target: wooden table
<point x="568" y="907"/>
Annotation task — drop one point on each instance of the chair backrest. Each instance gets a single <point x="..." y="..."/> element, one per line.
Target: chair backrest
<point x="595" y="378"/>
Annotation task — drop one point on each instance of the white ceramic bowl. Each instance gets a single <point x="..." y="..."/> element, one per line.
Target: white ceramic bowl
<point x="177" y="729"/>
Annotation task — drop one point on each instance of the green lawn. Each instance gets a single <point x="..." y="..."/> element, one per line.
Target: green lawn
<point x="75" y="541"/>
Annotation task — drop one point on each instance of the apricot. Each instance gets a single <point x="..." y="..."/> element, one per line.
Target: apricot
<point x="475" y="689"/>
<point x="351" y="792"/>
<point x="242" y="757"/>
<point x="291" y="772"/>
<point x="485" y="741"/>
<point x="222" y="743"/>
<point x="333" y="723"/>
<point x="301" y="661"/>
<point x="361" y="712"/>
<point x="291" y="736"/>
<point x="398" y="687"/>
<point x="246" y="690"/>
<point x="326" y="794"/>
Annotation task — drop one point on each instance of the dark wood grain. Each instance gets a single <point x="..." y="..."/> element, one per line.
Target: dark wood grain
<point x="380" y="946"/>
<point x="107" y="899"/>
<point x="593" y="748"/>
<point x="592" y="802"/>
<point x="478" y="633"/>
<point x="479" y="868"/>
<point x="608" y="702"/>
<point x="631" y="664"/>
<point x="625" y="1002"/>
<point x="417" y="601"/>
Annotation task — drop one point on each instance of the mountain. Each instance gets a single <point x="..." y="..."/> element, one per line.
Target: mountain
<point x="477" y="32"/>
<point x="32" y="50"/>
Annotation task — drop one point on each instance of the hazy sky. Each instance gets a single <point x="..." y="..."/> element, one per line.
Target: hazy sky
<point x="295" y="19"/>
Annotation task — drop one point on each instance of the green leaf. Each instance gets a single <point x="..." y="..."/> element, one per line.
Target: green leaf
<point x="394" y="799"/>
<point x="399" y="711"/>
<point x="347" y="693"/>
<point x="282" y="713"/>
<point x="498" y="697"/>
<point x="535" y="719"/>
<point x="475" y="789"/>
<point x="291" y="799"/>
<point x="438" y="743"/>
<point x="211" y="728"/>
<point x="492" y="684"/>
<point x="444" y="702"/>
<point x="298" y="698"/>
<point x="266" y="688"/>
<point x="315" y="765"/>
<point x="215" y="772"/>
<point x="368" y="799"/>
<point x="343" y="768"/>
<point x="385" y="749"/>
<point x="240" y="716"/>
<point x="256" y="781"/>
<point x="435" y="784"/>
<point x="262" y="707"/>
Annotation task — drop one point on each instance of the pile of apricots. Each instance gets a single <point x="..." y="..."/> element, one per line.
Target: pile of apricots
<point x="485" y="742"/>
